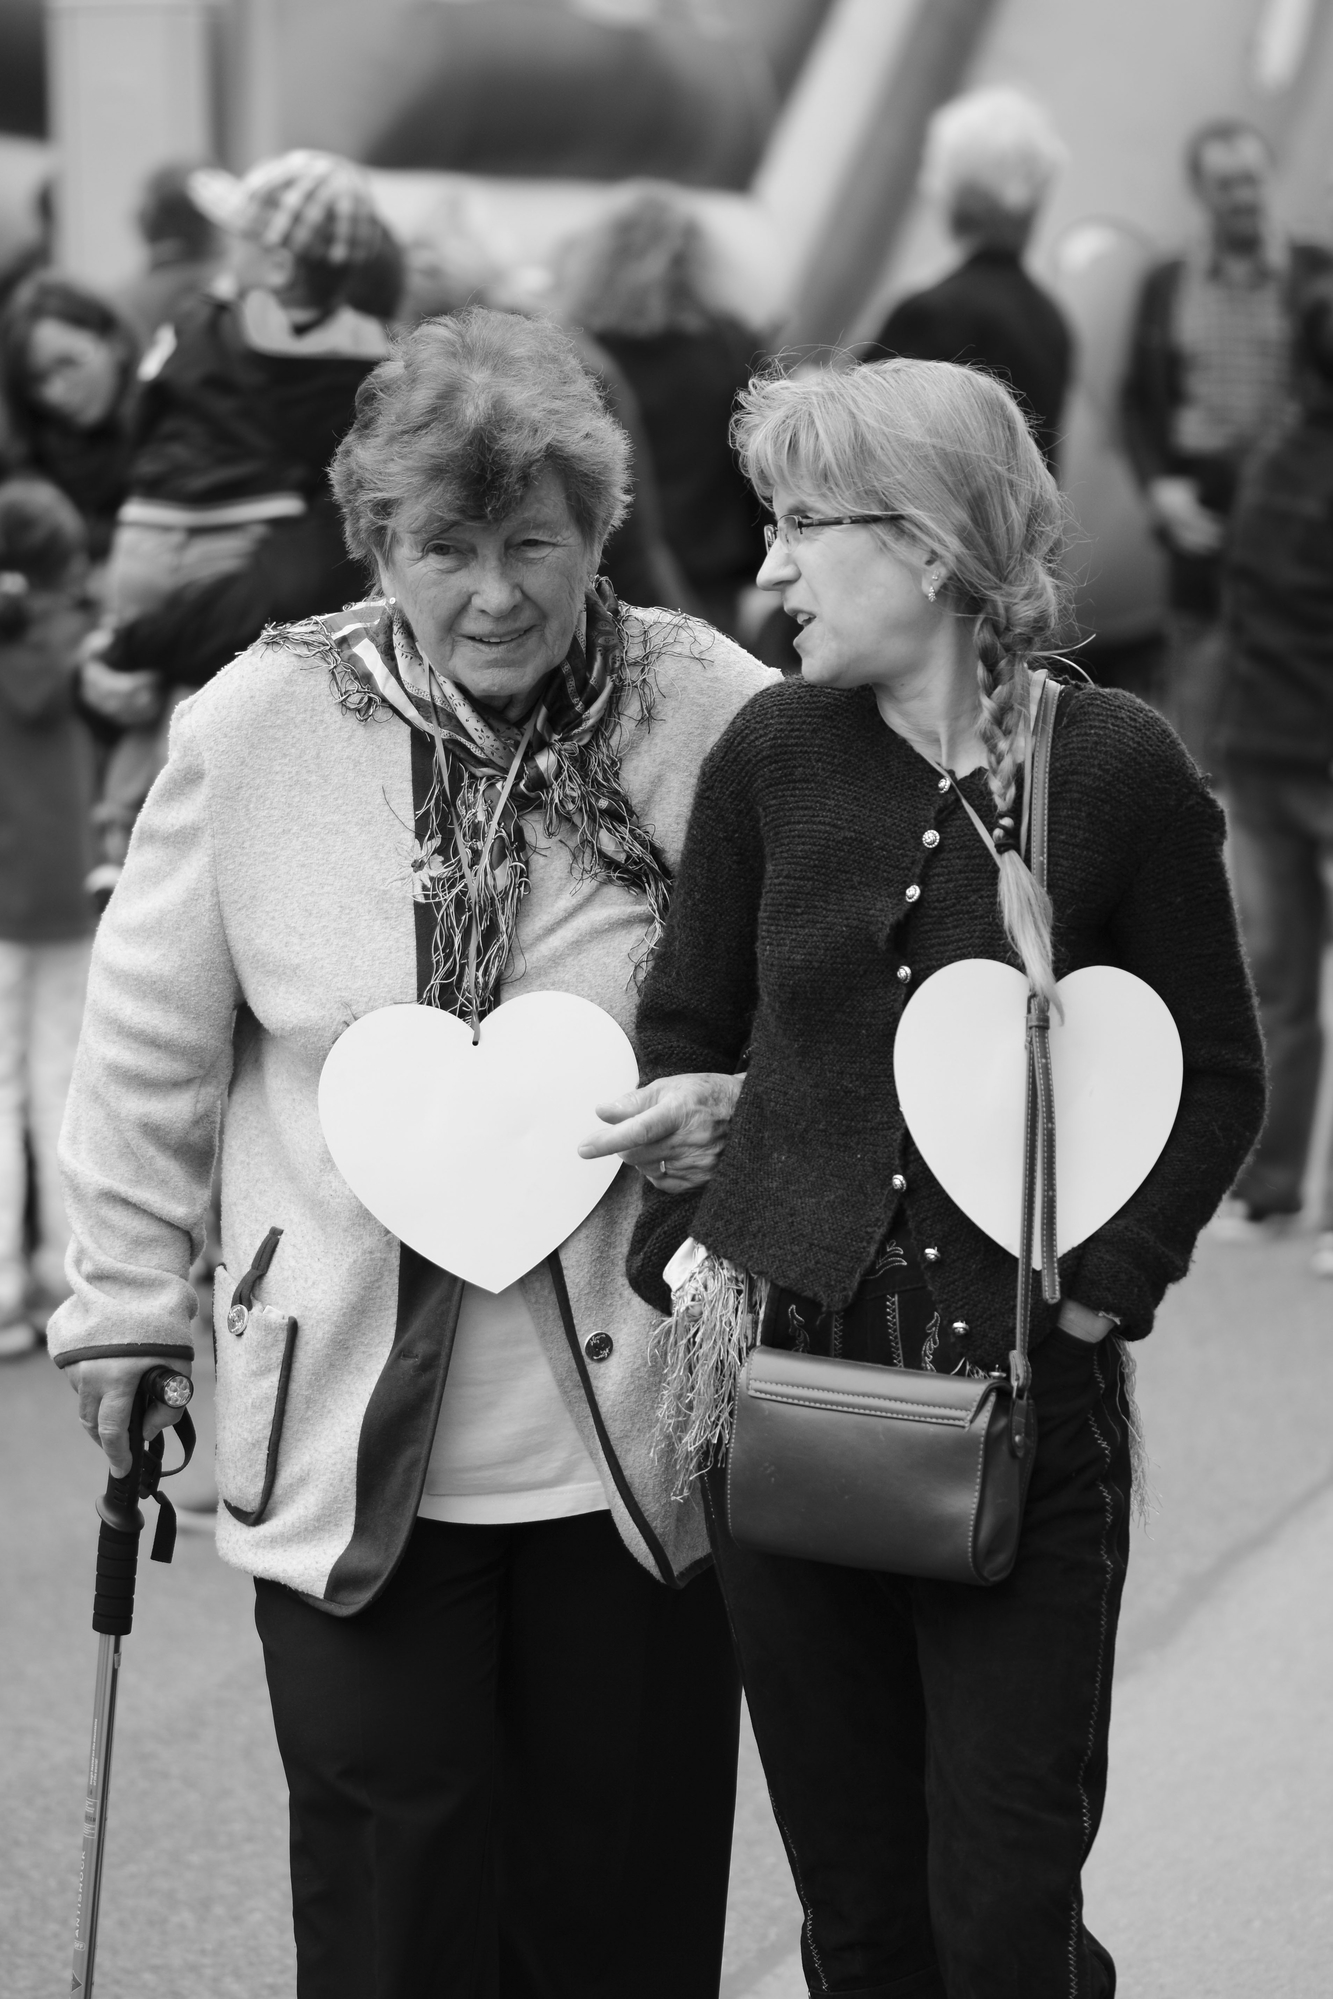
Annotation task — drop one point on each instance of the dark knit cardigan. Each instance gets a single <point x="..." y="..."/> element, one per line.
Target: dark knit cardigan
<point x="791" y="934"/>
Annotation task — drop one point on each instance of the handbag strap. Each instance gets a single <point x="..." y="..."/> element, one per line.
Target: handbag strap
<point x="1039" y="1112"/>
<point x="1039" y="1117"/>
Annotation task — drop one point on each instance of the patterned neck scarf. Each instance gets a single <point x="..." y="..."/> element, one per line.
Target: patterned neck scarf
<point x="469" y="860"/>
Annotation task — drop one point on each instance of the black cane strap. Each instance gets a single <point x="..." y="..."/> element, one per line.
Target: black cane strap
<point x="150" y="1478"/>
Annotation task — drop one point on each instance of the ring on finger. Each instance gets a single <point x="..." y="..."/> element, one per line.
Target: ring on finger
<point x="662" y="1169"/>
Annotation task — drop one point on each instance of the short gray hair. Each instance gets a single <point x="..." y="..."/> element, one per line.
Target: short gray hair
<point x="468" y="412"/>
<point x="999" y="144"/>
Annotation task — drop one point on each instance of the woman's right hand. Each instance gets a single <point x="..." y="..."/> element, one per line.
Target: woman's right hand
<point x="672" y="1131"/>
<point x="106" y="1391"/>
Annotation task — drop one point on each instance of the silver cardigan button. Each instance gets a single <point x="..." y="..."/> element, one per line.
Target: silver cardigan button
<point x="930" y="838"/>
<point x="931" y="1254"/>
<point x="914" y="892"/>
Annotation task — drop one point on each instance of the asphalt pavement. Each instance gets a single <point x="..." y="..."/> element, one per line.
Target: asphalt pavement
<point x="1211" y="1879"/>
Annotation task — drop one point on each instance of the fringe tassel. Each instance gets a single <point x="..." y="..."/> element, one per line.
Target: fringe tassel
<point x="715" y="1319"/>
<point x="1143" y="1494"/>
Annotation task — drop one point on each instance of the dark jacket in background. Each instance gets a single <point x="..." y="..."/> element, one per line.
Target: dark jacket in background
<point x="825" y="876"/>
<point x="91" y="467"/>
<point x="686" y="385"/>
<point x="990" y="314"/>
<point x="1278" y="596"/>
<point x="219" y="421"/>
<point x="159" y="295"/>
<point x="637" y="557"/>
<point x="300" y="569"/>
<point x="45" y="784"/>
<point x="1153" y="392"/>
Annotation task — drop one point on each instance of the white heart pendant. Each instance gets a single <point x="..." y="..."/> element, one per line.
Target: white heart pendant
<point x="469" y="1154"/>
<point x="961" y="1072"/>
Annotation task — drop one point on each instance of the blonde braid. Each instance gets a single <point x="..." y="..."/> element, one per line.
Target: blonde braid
<point x="1004" y="690"/>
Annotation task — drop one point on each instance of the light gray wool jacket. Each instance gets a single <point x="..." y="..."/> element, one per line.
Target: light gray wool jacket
<point x="267" y="904"/>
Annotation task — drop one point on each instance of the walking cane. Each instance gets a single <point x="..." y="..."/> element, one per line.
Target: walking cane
<point x="113" y="1614"/>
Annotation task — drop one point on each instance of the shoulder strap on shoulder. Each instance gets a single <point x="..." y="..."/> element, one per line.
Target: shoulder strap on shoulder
<point x="1036" y="789"/>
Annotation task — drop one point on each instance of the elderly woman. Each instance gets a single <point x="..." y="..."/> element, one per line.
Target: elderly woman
<point x="936" y="1751"/>
<point x="500" y="1673"/>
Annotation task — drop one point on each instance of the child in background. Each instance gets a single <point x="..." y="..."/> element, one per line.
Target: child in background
<point x="243" y="401"/>
<point x="45" y="916"/>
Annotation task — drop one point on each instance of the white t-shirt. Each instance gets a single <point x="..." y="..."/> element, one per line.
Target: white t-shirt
<point x="505" y="1446"/>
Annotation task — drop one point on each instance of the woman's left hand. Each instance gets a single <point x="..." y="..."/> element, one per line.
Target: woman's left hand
<point x="1082" y="1323"/>
<point x="672" y="1131"/>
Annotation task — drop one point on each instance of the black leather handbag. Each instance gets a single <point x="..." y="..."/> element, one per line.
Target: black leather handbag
<point x="900" y="1469"/>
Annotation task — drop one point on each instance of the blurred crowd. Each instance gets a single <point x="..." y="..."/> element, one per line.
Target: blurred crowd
<point x="164" y="499"/>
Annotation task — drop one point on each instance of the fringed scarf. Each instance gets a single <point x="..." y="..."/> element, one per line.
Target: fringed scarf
<point x="469" y="859"/>
<point x="716" y="1311"/>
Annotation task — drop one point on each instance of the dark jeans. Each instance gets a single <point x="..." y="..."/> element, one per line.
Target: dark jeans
<point x="936" y="1753"/>
<point x="1282" y="863"/>
<point x="512" y="1775"/>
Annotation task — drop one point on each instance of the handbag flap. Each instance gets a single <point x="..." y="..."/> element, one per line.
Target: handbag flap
<point x="811" y="1381"/>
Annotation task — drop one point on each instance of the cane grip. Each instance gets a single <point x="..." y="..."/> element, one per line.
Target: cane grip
<point x="122" y="1524"/>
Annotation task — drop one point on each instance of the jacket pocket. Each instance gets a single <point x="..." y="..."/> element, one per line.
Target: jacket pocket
<point x="254" y="1344"/>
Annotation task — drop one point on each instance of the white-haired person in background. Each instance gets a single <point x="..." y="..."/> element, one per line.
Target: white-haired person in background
<point x="989" y="162"/>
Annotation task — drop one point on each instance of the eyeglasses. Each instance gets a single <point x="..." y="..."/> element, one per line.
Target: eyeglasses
<point x="789" y="528"/>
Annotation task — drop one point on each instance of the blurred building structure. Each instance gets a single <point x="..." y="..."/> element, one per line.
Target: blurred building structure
<point x="496" y="127"/>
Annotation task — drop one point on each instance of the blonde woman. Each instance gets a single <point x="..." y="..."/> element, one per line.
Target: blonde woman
<point x="936" y="1752"/>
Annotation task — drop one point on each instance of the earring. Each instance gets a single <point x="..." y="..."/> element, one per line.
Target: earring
<point x="932" y="587"/>
<point x="391" y="602"/>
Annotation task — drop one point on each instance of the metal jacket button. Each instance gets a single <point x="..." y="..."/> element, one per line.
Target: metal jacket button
<point x="944" y="784"/>
<point x="598" y="1346"/>
<point x="931" y="1254"/>
<point x="914" y="892"/>
<point x="898" y="1184"/>
<point x="904" y="974"/>
<point x="930" y="838"/>
<point x="237" y="1320"/>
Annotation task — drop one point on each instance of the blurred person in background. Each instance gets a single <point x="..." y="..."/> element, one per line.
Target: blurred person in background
<point x="242" y="403"/>
<point x="67" y="364"/>
<point x="990" y="159"/>
<point x="378" y="284"/>
<point x="1276" y="740"/>
<point x="638" y="558"/>
<point x="45" y="916"/>
<point x="1209" y="376"/>
<point x="639" y="282"/>
<point x="34" y="253"/>
<point x="183" y="251"/>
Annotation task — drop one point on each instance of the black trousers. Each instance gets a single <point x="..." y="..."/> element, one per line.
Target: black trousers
<point x="936" y="1753"/>
<point x="512" y="1777"/>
